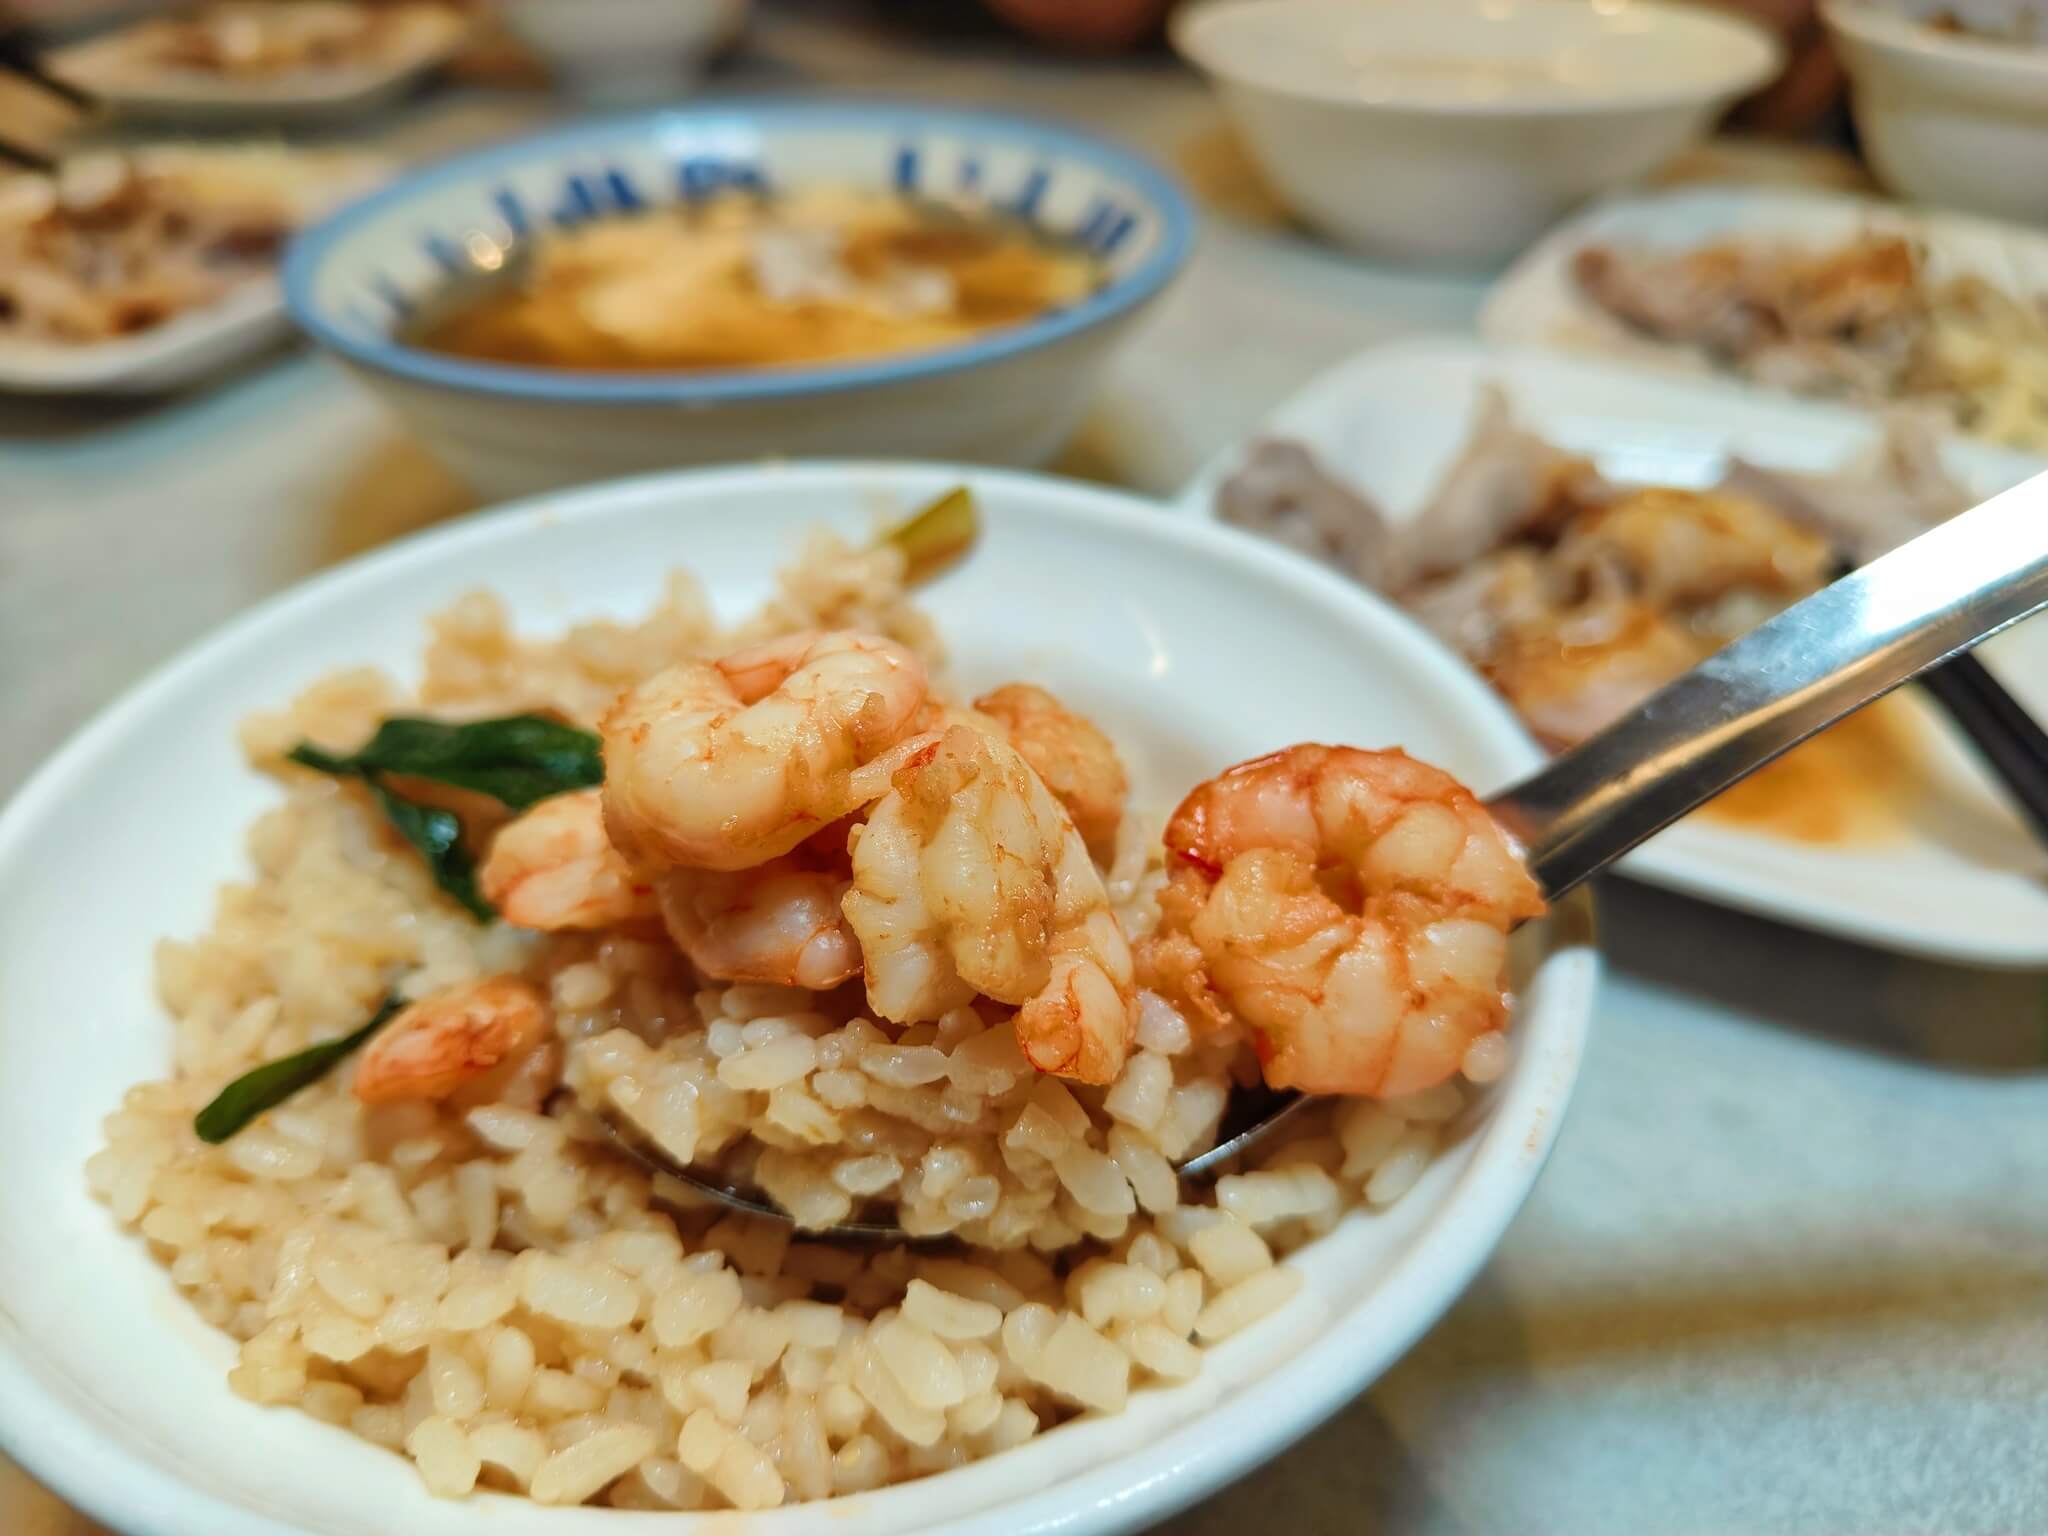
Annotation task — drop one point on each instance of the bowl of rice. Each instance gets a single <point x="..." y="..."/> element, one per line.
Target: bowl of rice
<point x="356" y="1313"/>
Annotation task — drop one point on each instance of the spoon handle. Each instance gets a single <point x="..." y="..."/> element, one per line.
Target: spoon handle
<point x="1818" y="660"/>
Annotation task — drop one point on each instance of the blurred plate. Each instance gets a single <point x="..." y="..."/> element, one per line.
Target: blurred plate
<point x="1535" y="303"/>
<point x="108" y="67"/>
<point x="165" y="357"/>
<point x="188" y="346"/>
<point x="1963" y="879"/>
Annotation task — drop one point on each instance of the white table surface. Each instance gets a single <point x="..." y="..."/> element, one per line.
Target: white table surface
<point x="1788" y="1270"/>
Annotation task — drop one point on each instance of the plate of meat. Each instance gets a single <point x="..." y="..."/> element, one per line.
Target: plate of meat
<point x="238" y="61"/>
<point x="136" y="272"/>
<point x="1582" y="532"/>
<point x="1821" y="295"/>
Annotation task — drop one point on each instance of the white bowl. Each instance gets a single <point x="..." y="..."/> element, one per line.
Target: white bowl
<point x="1195" y="644"/>
<point x="619" y="50"/>
<point x="1949" y="119"/>
<point x="1012" y="396"/>
<point x="1457" y="130"/>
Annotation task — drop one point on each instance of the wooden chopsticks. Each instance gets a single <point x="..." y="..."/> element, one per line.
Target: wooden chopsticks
<point x="18" y="57"/>
<point x="19" y="62"/>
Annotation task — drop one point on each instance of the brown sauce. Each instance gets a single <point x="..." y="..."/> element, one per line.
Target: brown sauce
<point x="1856" y="782"/>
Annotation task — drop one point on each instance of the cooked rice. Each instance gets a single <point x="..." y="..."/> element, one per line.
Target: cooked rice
<point x="507" y="1301"/>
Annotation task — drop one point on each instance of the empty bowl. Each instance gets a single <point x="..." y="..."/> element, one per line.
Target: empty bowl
<point x="1458" y="130"/>
<point x="1951" y="99"/>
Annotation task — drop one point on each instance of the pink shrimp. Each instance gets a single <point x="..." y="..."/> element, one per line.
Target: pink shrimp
<point x="1351" y="907"/>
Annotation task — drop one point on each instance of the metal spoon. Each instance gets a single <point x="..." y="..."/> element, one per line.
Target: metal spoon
<point x="1798" y="672"/>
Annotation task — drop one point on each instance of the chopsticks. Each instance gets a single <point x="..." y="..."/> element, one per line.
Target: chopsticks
<point x="18" y="57"/>
<point x="2013" y="745"/>
<point x="27" y="159"/>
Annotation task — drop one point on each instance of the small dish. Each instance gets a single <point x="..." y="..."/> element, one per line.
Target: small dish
<point x="112" y="1391"/>
<point x="200" y="341"/>
<point x="1539" y="303"/>
<point x="119" y="68"/>
<point x="1458" y="130"/>
<point x="1009" y="396"/>
<point x="1963" y="880"/>
<point x="1954" y="115"/>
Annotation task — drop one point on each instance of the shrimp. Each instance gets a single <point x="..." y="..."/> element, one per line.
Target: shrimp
<point x="479" y="1042"/>
<point x="1070" y="754"/>
<point x="728" y="764"/>
<point x="1351" y="907"/>
<point x="969" y="878"/>
<point x="779" y="923"/>
<point x="553" y="868"/>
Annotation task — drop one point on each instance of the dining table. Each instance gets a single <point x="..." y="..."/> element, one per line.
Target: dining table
<point x="1787" y="1269"/>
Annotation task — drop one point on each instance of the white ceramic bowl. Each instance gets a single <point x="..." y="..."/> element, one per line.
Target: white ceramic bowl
<point x="1010" y="397"/>
<point x="619" y="50"/>
<point x="1457" y="130"/>
<point x="1194" y="644"/>
<point x="1950" y="119"/>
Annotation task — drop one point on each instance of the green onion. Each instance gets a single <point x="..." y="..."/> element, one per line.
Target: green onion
<point x="265" y="1087"/>
<point x="437" y="834"/>
<point x="518" y="760"/>
<point x="938" y="535"/>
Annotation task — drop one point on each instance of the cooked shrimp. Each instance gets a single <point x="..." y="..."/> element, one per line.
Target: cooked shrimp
<point x="464" y="1040"/>
<point x="727" y="764"/>
<point x="1070" y="754"/>
<point x="553" y="868"/>
<point x="1352" y="908"/>
<point x="969" y="878"/>
<point x="779" y="923"/>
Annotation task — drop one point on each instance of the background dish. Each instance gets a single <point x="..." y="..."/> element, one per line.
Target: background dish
<point x="1130" y="615"/>
<point x="1458" y="130"/>
<point x="1964" y="880"/>
<point x="1949" y="117"/>
<point x="198" y="341"/>
<point x="1536" y="303"/>
<point x="615" y="50"/>
<point x="106" y="67"/>
<point x="1010" y="398"/>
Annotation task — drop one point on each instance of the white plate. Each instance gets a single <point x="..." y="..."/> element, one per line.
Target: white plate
<point x="1536" y="304"/>
<point x="189" y="346"/>
<point x="1195" y="645"/>
<point x="1969" y="881"/>
<point x="105" y="66"/>
<point x="166" y="357"/>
